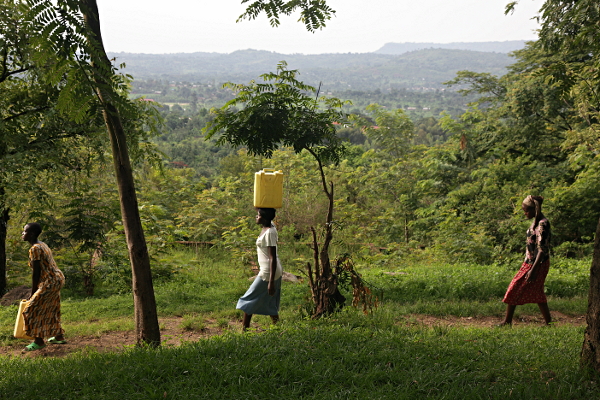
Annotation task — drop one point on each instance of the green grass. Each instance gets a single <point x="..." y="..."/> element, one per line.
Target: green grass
<point x="473" y="290"/>
<point x="326" y="360"/>
<point x="347" y="356"/>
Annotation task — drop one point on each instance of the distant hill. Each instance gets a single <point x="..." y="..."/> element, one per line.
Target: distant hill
<point x="492" y="47"/>
<point x="239" y="63"/>
<point x="415" y="70"/>
<point x="424" y="69"/>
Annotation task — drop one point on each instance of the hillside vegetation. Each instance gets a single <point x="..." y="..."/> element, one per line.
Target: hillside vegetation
<point x="367" y="71"/>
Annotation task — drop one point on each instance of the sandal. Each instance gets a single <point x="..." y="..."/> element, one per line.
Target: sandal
<point x="33" y="346"/>
<point x="53" y="340"/>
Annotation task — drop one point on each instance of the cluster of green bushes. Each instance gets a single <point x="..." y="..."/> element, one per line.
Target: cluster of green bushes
<point x="428" y="203"/>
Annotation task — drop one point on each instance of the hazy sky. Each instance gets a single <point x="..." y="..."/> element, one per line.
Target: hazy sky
<point x="360" y="26"/>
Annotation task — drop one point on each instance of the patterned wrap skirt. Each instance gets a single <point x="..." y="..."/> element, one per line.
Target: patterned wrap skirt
<point x="522" y="292"/>
<point x="42" y="315"/>
<point x="256" y="300"/>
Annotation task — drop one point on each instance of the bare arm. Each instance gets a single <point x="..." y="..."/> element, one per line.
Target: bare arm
<point x="532" y="274"/>
<point x="542" y="238"/>
<point x="272" y="269"/>
<point x="35" y="276"/>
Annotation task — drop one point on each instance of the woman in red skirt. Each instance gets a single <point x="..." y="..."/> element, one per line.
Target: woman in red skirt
<point x="528" y="284"/>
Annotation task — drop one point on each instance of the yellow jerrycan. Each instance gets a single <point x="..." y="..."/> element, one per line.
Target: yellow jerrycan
<point x="19" y="331"/>
<point x="268" y="188"/>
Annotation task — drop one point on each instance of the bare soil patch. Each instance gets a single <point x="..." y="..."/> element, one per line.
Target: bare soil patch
<point x="15" y="295"/>
<point x="523" y="320"/>
<point x="173" y="335"/>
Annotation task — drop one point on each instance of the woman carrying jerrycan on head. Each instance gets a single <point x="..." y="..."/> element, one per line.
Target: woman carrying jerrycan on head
<point x="264" y="294"/>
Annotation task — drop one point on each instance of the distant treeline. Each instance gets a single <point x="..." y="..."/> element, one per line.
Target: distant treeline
<point x="421" y="70"/>
<point x="417" y="104"/>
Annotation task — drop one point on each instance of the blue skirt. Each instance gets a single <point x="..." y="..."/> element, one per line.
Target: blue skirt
<point x="256" y="300"/>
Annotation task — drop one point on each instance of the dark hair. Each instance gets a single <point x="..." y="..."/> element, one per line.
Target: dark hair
<point x="267" y="214"/>
<point x="35" y="228"/>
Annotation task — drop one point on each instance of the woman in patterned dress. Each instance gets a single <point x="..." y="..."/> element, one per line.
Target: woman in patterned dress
<point x="528" y="284"/>
<point x="264" y="294"/>
<point x="42" y="315"/>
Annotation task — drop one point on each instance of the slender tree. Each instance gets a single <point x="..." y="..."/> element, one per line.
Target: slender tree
<point x="146" y="319"/>
<point x="280" y="112"/>
<point x="72" y="29"/>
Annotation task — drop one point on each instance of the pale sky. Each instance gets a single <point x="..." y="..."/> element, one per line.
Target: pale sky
<point x="360" y="26"/>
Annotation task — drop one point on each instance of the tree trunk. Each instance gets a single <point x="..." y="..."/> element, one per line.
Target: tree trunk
<point x="590" y="353"/>
<point x="146" y="319"/>
<point x="326" y="295"/>
<point x="4" y="217"/>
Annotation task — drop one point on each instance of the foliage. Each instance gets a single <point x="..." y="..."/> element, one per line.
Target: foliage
<point x="279" y="113"/>
<point x="392" y="131"/>
<point x="237" y="240"/>
<point x="313" y="13"/>
<point x="348" y="277"/>
<point x="42" y="140"/>
<point x="63" y="35"/>
<point x="36" y="133"/>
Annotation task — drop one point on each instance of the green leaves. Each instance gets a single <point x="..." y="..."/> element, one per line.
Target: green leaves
<point x="570" y="25"/>
<point x="393" y="130"/>
<point x="313" y="13"/>
<point x="61" y="23"/>
<point x="75" y="59"/>
<point x="479" y="83"/>
<point x="279" y="112"/>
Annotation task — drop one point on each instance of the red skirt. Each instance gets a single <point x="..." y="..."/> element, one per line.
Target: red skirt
<point x="522" y="292"/>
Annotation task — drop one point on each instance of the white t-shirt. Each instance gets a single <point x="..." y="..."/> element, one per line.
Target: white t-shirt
<point x="267" y="239"/>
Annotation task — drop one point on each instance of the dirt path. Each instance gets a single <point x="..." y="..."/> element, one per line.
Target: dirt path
<point x="173" y="335"/>
<point x="523" y="320"/>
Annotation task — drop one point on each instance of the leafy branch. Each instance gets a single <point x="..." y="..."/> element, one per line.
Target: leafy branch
<point x="313" y="13"/>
